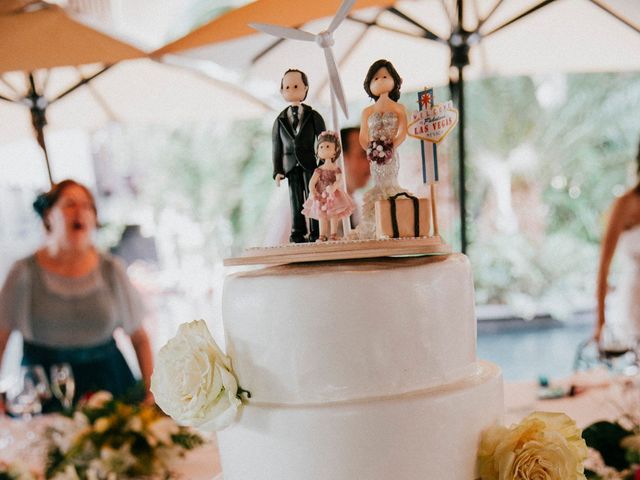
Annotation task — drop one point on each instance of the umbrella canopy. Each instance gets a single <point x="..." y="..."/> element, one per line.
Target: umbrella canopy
<point x="44" y="36"/>
<point x="508" y="37"/>
<point x="53" y="71"/>
<point x="431" y="42"/>
<point x="131" y="92"/>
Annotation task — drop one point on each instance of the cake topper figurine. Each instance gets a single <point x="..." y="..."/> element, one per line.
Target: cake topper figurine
<point x="294" y="134"/>
<point x="383" y="128"/>
<point x="327" y="202"/>
<point x="431" y="124"/>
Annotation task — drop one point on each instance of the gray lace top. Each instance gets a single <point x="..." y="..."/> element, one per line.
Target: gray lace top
<point x="58" y="311"/>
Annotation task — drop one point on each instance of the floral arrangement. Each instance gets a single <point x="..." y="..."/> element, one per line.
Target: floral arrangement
<point x="193" y="381"/>
<point x="15" y="471"/>
<point x="544" y="446"/>
<point x="615" y="446"/>
<point x="380" y="150"/>
<point x="107" y="439"/>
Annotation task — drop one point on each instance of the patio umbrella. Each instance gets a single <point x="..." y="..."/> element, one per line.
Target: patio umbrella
<point x="59" y="72"/>
<point x="432" y="42"/>
<point x="41" y="36"/>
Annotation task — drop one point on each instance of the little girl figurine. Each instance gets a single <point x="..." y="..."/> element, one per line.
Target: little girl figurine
<point x="327" y="202"/>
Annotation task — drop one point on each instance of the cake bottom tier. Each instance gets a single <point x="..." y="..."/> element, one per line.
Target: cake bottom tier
<point x="431" y="434"/>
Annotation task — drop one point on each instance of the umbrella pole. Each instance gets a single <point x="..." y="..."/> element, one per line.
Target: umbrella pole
<point x="456" y="87"/>
<point x="39" y="129"/>
<point x="39" y="120"/>
<point x="459" y="84"/>
<point x="459" y="45"/>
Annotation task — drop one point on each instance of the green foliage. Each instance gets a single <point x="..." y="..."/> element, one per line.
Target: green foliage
<point x="577" y="155"/>
<point x="126" y="433"/>
<point x="605" y="437"/>
<point x="187" y="440"/>
<point x="218" y="176"/>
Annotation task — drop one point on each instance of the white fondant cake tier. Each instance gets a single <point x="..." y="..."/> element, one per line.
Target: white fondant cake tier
<point x="429" y="434"/>
<point x="340" y="331"/>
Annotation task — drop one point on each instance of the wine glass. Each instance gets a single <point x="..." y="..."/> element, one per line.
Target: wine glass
<point x="618" y="351"/>
<point x="22" y="397"/>
<point x="39" y="378"/>
<point x="63" y="384"/>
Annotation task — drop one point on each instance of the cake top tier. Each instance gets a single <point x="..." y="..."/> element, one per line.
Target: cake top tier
<point x="340" y="331"/>
<point x="339" y="250"/>
<point x="352" y="265"/>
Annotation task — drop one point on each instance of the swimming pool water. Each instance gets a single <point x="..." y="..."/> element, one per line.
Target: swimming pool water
<point x="528" y="353"/>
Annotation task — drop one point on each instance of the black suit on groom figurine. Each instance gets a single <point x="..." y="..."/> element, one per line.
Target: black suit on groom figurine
<point x="294" y="158"/>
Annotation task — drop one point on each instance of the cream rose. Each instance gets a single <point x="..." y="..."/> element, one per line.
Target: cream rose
<point x="193" y="380"/>
<point x="544" y="446"/>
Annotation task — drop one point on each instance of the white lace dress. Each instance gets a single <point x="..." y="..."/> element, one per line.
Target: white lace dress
<point x="385" y="176"/>
<point x="623" y="314"/>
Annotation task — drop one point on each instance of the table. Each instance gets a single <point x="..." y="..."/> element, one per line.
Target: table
<point x="598" y="398"/>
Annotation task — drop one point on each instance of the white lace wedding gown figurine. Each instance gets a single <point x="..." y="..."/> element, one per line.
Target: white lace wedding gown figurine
<point x="383" y="129"/>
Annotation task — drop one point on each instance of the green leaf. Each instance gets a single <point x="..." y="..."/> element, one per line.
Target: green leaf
<point x="605" y="437"/>
<point x="187" y="440"/>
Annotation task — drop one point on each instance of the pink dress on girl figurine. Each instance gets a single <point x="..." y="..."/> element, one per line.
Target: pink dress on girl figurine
<point x="327" y="203"/>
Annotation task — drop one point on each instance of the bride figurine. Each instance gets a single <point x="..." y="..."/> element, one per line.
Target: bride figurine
<point x="383" y="128"/>
<point x="327" y="202"/>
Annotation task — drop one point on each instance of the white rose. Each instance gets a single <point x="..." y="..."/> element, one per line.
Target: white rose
<point x="193" y="381"/>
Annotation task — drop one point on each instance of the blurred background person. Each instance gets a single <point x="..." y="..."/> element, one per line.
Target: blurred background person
<point x="622" y="235"/>
<point x="67" y="299"/>
<point x="356" y="165"/>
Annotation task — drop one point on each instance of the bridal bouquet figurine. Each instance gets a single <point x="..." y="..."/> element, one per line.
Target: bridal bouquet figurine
<point x="380" y="150"/>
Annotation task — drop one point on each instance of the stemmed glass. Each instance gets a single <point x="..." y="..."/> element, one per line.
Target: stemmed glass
<point x="619" y="353"/>
<point x="22" y="397"/>
<point x="63" y="384"/>
<point x="39" y="378"/>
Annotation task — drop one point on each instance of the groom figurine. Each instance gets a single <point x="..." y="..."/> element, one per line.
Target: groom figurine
<point x="294" y="135"/>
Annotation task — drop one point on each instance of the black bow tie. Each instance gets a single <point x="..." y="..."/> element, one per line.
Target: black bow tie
<point x="296" y="119"/>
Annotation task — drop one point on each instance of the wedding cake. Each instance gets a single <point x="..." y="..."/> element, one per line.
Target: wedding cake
<point x="358" y="370"/>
